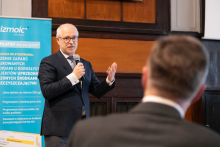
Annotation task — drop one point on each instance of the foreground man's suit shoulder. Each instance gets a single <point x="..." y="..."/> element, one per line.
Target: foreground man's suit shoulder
<point x="148" y="124"/>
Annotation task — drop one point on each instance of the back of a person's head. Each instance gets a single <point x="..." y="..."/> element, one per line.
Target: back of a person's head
<point x="178" y="66"/>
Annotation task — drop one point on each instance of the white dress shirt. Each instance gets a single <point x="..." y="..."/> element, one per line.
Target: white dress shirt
<point x="72" y="77"/>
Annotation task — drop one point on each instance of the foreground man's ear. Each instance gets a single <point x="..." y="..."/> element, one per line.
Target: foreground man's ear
<point x="144" y="77"/>
<point x="199" y="94"/>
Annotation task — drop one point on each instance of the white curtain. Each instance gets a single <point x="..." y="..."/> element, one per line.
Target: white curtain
<point x="212" y="19"/>
<point x="19" y="8"/>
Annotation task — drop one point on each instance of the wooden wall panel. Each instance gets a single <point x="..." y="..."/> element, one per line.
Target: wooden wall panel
<point x="188" y="115"/>
<point x="39" y="8"/>
<point x="144" y="11"/>
<point x="55" y="46"/>
<point x="130" y="55"/>
<point x="124" y="91"/>
<point x="123" y="87"/>
<point x="211" y="109"/>
<point x="103" y="10"/>
<point x="66" y="8"/>
<point x="194" y="112"/>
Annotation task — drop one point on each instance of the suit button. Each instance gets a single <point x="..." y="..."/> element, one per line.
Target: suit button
<point x="80" y="107"/>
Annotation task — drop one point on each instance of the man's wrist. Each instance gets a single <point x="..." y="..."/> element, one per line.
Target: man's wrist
<point x="110" y="82"/>
<point x="73" y="78"/>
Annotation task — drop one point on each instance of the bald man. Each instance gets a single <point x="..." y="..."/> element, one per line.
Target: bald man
<point x="66" y="93"/>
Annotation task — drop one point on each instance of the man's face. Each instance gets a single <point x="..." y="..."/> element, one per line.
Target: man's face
<point x="68" y="39"/>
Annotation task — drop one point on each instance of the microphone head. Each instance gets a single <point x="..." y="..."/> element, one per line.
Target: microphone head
<point x="76" y="57"/>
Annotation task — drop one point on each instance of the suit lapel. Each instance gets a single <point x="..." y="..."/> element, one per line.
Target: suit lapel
<point x="69" y="69"/>
<point x="64" y="62"/>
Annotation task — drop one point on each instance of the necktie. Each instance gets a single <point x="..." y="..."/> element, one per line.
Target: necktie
<point x="79" y="85"/>
<point x="72" y="61"/>
<point x="71" y="58"/>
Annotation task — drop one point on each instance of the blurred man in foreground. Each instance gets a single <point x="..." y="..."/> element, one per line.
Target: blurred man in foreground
<point x="173" y="78"/>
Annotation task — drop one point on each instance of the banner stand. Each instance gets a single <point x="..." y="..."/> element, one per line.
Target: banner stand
<point x="24" y="42"/>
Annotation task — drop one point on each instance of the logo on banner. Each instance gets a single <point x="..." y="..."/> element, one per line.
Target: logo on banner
<point x="12" y="29"/>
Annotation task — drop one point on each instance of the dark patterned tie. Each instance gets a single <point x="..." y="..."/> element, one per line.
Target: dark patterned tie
<point x="72" y="61"/>
<point x="78" y="84"/>
<point x="71" y="58"/>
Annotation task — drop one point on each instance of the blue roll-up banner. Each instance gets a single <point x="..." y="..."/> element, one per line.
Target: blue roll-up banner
<point x="23" y="44"/>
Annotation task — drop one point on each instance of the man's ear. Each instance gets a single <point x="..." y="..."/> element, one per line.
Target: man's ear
<point x="58" y="40"/>
<point x="199" y="94"/>
<point x="144" y="77"/>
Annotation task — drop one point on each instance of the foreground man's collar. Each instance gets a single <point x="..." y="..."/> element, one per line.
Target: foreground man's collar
<point x="161" y="100"/>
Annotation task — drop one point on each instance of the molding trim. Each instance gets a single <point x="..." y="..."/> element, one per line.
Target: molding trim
<point x="110" y="35"/>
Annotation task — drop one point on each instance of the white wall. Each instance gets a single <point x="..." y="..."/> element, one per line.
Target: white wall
<point x="0" y="7"/>
<point x="17" y="8"/>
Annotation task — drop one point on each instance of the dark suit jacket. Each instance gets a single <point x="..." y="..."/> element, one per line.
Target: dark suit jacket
<point x="147" y="125"/>
<point x="63" y="102"/>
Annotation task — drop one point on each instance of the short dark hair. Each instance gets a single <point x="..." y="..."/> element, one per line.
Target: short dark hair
<point x="178" y="65"/>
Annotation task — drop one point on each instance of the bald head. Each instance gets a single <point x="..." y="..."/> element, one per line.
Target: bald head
<point x="67" y="38"/>
<point x="64" y="28"/>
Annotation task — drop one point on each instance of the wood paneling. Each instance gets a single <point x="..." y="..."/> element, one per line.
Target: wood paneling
<point x="112" y="35"/>
<point x="130" y="55"/>
<point x="123" y="87"/>
<point x="144" y="11"/>
<point x="194" y="112"/>
<point x="124" y="91"/>
<point x="66" y="8"/>
<point x="55" y="46"/>
<point x="197" y="111"/>
<point x="60" y="10"/>
<point x="161" y="27"/>
<point x="103" y="10"/>
<point x="39" y="8"/>
<point x="100" y="106"/>
<point x="188" y="115"/>
<point x="211" y="109"/>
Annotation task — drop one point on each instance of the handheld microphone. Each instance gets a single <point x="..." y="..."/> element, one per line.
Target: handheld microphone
<point x="76" y="57"/>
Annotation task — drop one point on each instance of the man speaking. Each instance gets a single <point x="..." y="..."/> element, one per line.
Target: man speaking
<point x="66" y="85"/>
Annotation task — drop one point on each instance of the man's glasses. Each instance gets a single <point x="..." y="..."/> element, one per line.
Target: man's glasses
<point x="67" y="39"/>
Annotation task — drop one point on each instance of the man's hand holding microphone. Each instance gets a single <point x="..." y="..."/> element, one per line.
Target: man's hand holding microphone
<point x="79" y="70"/>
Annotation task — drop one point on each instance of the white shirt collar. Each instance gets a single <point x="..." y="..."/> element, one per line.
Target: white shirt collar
<point x="65" y="55"/>
<point x="161" y="100"/>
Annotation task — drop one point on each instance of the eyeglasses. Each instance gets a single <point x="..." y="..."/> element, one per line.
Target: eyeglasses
<point x="67" y="39"/>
